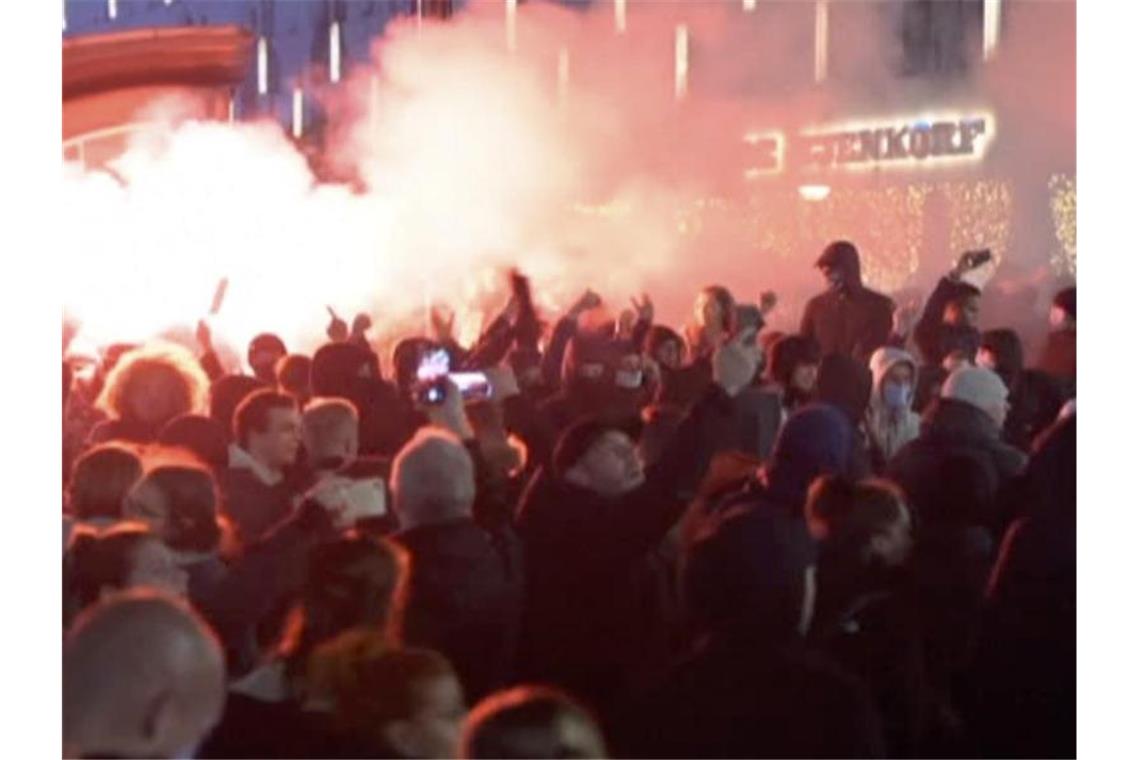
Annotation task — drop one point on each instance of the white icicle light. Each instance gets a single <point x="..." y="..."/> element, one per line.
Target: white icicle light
<point x="820" y="40"/>
<point x="334" y="52"/>
<point x="563" y="73"/>
<point x="681" y="62"/>
<point x="298" y="113"/>
<point x="262" y="66"/>
<point x="991" y="27"/>
<point x="512" y="14"/>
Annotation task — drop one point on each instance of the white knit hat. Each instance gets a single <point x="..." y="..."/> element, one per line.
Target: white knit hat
<point x="977" y="386"/>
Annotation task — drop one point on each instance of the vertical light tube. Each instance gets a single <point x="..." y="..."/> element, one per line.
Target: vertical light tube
<point x="262" y="66"/>
<point x="748" y="5"/>
<point x="112" y="9"/>
<point x="334" y="52"/>
<point x="619" y="16"/>
<point x="419" y="14"/>
<point x="373" y="103"/>
<point x="563" y="74"/>
<point x="681" y="62"/>
<point x="232" y="115"/>
<point x="298" y="113"/>
<point x="820" y="40"/>
<point x="991" y="27"/>
<point x="512" y="7"/>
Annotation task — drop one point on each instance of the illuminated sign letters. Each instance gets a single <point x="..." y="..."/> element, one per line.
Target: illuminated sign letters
<point x="864" y="147"/>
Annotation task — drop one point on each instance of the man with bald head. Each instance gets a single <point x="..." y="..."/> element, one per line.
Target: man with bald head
<point x="142" y="677"/>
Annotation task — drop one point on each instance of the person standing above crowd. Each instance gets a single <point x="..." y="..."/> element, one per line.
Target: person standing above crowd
<point x="951" y="312"/>
<point x="849" y="318"/>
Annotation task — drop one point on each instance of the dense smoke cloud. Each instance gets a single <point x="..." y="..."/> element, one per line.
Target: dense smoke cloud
<point x="474" y="158"/>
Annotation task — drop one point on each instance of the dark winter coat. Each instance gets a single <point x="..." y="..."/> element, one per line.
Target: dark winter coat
<point x="746" y="697"/>
<point x="952" y="430"/>
<point x="235" y="598"/>
<point x="1059" y="359"/>
<point x="592" y="599"/>
<point x="853" y="320"/>
<point x="464" y="600"/>
<point x="1022" y="691"/>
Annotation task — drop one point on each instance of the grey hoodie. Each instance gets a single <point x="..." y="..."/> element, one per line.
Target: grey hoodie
<point x="890" y="429"/>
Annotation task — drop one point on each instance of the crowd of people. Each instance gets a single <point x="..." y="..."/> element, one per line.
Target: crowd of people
<point x="854" y="540"/>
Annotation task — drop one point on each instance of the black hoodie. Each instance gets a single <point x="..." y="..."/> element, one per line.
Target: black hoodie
<point x="850" y="319"/>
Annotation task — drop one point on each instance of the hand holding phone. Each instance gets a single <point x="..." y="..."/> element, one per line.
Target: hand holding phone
<point x="471" y="387"/>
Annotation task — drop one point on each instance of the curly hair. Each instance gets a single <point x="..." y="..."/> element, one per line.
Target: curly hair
<point x="154" y="384"/>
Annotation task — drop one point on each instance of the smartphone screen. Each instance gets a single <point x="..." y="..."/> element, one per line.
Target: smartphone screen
<point x="473" y="386"/>
<point x="433" y="364"/>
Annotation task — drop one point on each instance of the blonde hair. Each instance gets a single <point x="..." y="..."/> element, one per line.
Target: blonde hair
<point x="324" y="423"/>
<point x="154" y="384"/>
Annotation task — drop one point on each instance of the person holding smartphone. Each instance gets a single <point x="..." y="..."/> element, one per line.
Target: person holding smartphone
<point x="953" y="307"/>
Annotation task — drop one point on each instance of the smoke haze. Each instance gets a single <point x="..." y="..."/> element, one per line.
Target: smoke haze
<point x="472" y="158"/>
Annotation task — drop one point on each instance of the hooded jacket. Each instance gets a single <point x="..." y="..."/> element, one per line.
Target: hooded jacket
<point x="890" y="429"/>
<point x="852" y="320"/>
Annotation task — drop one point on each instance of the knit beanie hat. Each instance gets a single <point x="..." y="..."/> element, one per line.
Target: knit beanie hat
<point x="976" y="386"/>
